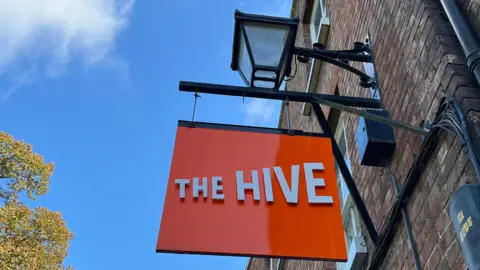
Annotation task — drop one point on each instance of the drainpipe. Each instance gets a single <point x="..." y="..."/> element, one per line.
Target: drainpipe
<point x="465" y="34"/>
<point x="408" y="227"/>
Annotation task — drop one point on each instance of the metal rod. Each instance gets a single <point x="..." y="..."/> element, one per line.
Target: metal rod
<point x="351" y="55"/>
<point x="465" y="34"/>
<point x="408" y="227"/>
<point x="357" y="198"/>
<point x="371" y="116"/>
<point x="196" y="95"/>
<point x="257" y="92"/>
<point x="354" y="50"/>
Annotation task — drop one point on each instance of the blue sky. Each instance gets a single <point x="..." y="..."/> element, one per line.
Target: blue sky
<point x="93" y="85"/>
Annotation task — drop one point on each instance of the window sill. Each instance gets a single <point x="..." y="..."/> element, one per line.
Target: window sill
<point x="357" y="251"/>
<point x="356" y="255"/>
<point x="275" y="264"/>
<point x="316" y="64"/>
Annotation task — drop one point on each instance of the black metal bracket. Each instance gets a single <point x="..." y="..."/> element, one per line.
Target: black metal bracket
<point x="315" y="99"/>
<point x="352" y="187"/>
<point x="360" y="53"/>
<point x="343" y="103"/>
<point x="371" y="69"/>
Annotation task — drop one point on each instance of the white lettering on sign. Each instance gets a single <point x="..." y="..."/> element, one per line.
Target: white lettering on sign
<point x="267" y="182"/>
<point x="217" y="188"/>
<point x="242" y="186"/>
<point x="182" y="183"/>
<point x="313" y="182"/>
<point x="203" y="187"/>
<point x="289" y="192"/>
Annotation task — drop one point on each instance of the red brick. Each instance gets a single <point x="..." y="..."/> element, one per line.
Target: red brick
<point x="446" y="239"/>
<point x="452" y="253"/>
<point x="442" y="222"/>
<point x="434" y="259"/>
<point x="443" y="265"/>
<point x="459" y="264"/>
<point x="429" y="245"/>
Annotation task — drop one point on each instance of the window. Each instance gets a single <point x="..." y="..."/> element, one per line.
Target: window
<point x="342" y="187"/>
<point x="355" y="243"/>
<point x="319" y="28"/>
<point x="319" y="12"/>
<point x="274" y="264"/>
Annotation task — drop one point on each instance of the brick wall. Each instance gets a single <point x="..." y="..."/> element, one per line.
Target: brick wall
<point x="258" y="264"/>
<point x="418" y="60"/>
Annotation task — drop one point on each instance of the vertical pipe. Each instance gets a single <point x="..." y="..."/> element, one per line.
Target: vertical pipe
<point x="357" y="198"/>
<point x="465" y="34"/>
<point x="411" y="240"/>
<point x="408" y="227"/>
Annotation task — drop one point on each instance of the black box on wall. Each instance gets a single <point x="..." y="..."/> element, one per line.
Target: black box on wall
<point x="375" y="140"/>
<point x="464" y="211"/>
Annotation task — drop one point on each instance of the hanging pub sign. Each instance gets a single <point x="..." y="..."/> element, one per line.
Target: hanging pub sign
<point x="465" y="214"/>
<point x="247" y="191"/>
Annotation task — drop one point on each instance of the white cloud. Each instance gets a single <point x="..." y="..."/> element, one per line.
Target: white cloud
<point x="258" y="111"/>
<point x="19" y="80"/>
<point x="52" y="33"/>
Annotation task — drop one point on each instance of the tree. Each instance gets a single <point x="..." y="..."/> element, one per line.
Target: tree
<point x="25" y="170"/>
<point x="29" y="238"/>
<point x="32" y="239"/>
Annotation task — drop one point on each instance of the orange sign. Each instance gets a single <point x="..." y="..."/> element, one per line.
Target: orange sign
<point x="252" y="192"/>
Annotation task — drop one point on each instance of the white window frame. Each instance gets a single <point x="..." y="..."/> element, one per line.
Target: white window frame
<point x="275" y="267"/>
<point x="345" y="193"/>
<point x="315" y="33"/>
<point x="357" y="251"/>
<point x="319" y="36"/>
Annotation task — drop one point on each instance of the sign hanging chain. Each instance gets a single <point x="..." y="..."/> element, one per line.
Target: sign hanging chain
<point x="196" y="95"/>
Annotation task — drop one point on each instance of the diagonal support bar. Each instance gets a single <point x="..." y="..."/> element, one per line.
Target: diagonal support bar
<point x="388" y="121"/>
<point x="357" y="198"/>
<point x="253" y="92"/>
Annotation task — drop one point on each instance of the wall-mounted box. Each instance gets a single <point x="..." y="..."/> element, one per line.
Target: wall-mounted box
<point x="375" y="140"/>
<point x="465" y="214"/>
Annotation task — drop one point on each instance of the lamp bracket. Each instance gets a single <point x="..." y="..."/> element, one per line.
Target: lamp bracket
<point x="359" y="53"/>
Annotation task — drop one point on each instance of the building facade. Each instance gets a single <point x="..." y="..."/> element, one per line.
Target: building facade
<point x="418" y="60"/>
